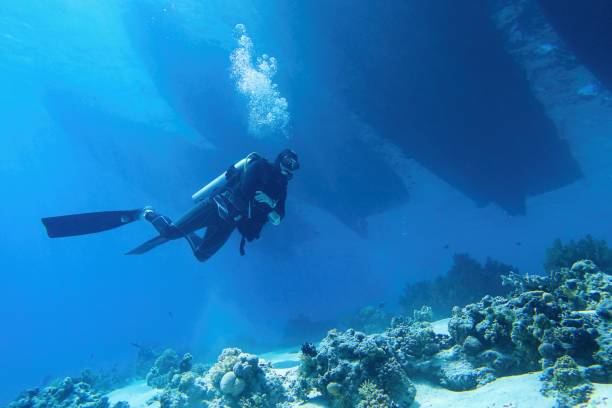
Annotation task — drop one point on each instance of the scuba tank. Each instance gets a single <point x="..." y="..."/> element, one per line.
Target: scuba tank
<point x="218" y="184"/>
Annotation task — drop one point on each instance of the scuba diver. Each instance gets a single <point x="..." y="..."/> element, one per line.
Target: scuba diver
<point x="249" y="194"/>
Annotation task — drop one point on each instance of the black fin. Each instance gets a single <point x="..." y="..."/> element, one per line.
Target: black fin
<point x="88" y="223"/>
<point x="147" y="246"/>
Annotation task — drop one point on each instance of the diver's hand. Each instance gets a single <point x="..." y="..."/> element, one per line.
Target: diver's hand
<point x="263" y="198"/>
<point x="274" y="218"/>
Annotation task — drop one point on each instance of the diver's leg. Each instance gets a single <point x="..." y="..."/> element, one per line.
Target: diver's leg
<point x="216" y="235"/>
<point x="199" y="216"/>
<point x="161" y="223"/>
<point x="204" y="215"/>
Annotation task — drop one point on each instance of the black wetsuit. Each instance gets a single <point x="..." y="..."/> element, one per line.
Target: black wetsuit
<point x="266" y="177"/>
<point x="236" y="207"/>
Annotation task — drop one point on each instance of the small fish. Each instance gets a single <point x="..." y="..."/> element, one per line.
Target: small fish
<point x="518" y="243"/>
<point x="171" y="315"/>
<point x="446" y="246"/>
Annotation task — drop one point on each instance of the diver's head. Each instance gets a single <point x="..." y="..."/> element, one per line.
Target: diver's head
<point x="287" y="161"/>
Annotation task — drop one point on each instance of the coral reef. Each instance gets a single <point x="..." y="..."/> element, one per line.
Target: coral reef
<point x="560" y="255"/>
<point x="350" y="361"/>
<point x="309" y="349"/>
<point x="371" y="396"/>
<point x="560" y="323"/>
<point x="546" y="323"/>
<point x="424" y="314"/>
<point x="466" y="282"/>
<point x="371" y="319"/>
<point x="237" y="380"/>
<point x="67" y="394"/>
<point x="565" y="381"/>
<point x="425" y="354"/>
<point x="164" y="368"/>
<point x="104" y="380"/>
<point x="87" y="389"/>
<point x="144" y="360"/>
<point x="238" y="374"/>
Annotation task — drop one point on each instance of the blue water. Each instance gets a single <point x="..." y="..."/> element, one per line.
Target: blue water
<point x="421" y="134"/>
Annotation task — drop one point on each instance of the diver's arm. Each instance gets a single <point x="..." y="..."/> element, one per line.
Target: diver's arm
<point x="273" y="216"/>
<point x="278" y="211"/>
<point x="263" y="198"/>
